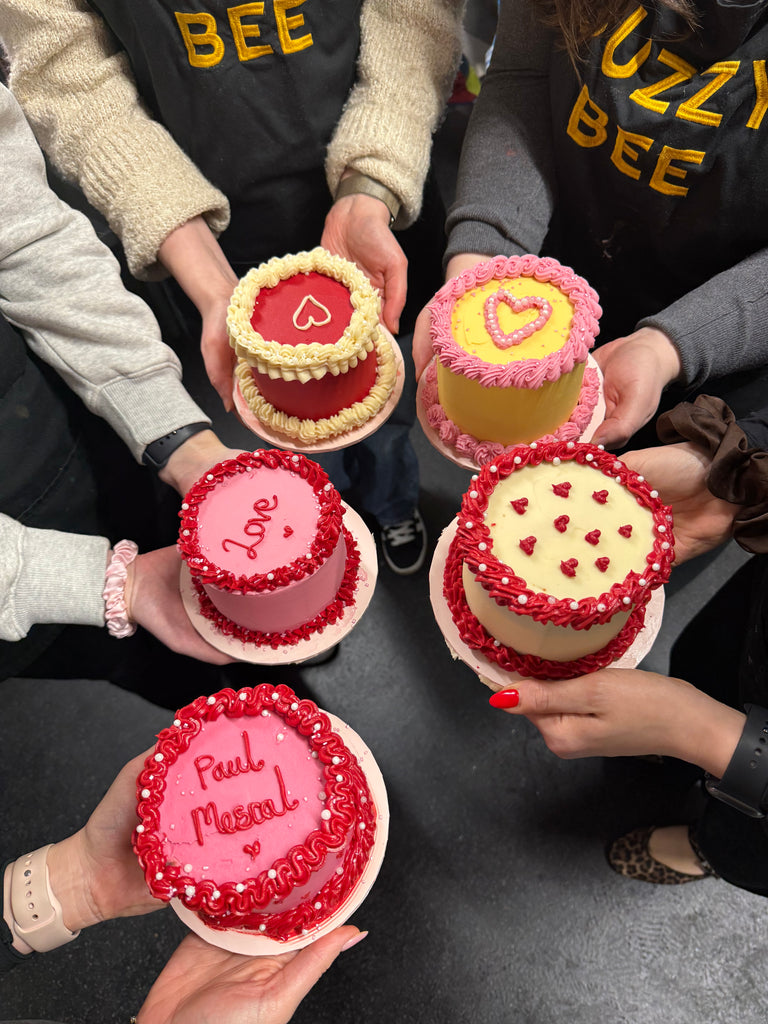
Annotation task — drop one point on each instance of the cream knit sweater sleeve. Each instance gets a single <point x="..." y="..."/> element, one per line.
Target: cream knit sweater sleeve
<point x="409" y="52"/>
<point x="78" y="93"/>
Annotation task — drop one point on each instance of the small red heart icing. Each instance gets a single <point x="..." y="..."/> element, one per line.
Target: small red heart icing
<point x="519" y="505"/>
<point x="593" y="537"/>
<point x="527" y="544"/>
<point x="600" y="496"/>
<point x="561" y="490"/>
<point x="287" y="531"/>
<point x="569" y="568"/>
<point x="602" y="563"/>
<point x="625" y="531"/>
<point x="561" y="523"/>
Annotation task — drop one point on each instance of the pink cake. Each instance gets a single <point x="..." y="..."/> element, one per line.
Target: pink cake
<point x="511" y="338"/>
<point x="557" y="551"/>
<point x="269" y="556"/>
<point x="254" y="813"/>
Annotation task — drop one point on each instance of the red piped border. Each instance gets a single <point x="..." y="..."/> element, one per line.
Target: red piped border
<point x="349" y="801"/>
<point x="345" y="597"/>
<point x="471" y="530"/>
<point x="329" y="523"/>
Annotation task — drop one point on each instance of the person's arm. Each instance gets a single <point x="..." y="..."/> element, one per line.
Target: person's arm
<point x="61" y="287"/>
<point x="48" y="576"/>
<point x="380" y="150"/>
<point x="506" y="187"/>
<point x="77" y="90"/>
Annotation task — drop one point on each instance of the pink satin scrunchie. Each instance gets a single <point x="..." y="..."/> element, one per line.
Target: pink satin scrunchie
<point x="116" y="614"/>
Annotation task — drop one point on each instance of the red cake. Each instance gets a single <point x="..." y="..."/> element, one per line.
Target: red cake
<point x="269" y="555"/>
<point x="557" y="551"/>
<point x="313" y="361"/>
<point x="254" y="813"/>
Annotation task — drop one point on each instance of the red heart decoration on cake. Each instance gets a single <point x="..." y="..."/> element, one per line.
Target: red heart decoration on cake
<point x="561" y="523"/>
<point x="527" y="544"/>
<point x="306" y="309"/>
<point x="569" y="568"/>
<point x="625" y="531"/>
<point x="519" y="505"/>
<point x="517" y="305"/>
<point x="561" y="490"/>
<point x="593" y="537"/>
<point x="600" y="496"/>
<point x="602" y="563"/>
<point x="252" y="849"/>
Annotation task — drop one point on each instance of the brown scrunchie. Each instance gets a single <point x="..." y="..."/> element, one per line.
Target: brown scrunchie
<point x="738" y="473"/>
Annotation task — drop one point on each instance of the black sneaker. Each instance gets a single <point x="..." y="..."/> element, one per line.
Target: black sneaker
<point x="404" y="545"/>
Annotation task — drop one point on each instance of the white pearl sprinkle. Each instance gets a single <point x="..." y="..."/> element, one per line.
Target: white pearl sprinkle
<point x="145" y="793"/>
<point x="316" y="727"/>
<point x="294" y="706"/>
<point x="325" y="815"/>
<point x="158" y="757"/>
<point x="294" y="458"/>
<point x="654" y="494"/>
<point x="661" y="529"/>
<point x="522" y="599"/>
<point x="641" y="479"/>
<point x="589" y="457"/>
<point x="242" y="696"/>
<point x="665" y="546"/>
<point x="601" y="607"/>
<point x="327" y="487"/>
<point x="617" y="466"/>
<point x="158" y="875"/>
<point x="474" y="476"/>
<point x="473" y="494"/>
<point x="177" y="722"/>
<point x="187" y="868"/>
<point x="215" y="894"/>
<point x="533" y="445"/>
<point x="184" y="506"/>
<point x="601" y="447"/>
<point x="274" y="696"/>
<point x="211" y="700"/>
<point x="574" y="606"/>
<point x="318" y="906"/>
<point x="209" y="476"/>
<point x="570" y="445"/>
<point x="265" y="714"/>
<point x="361" y="825"/>
<point x="280" y="737"/>
<point x="505" y="580"/>
<point x="336" y="760"/>
<point x="642" y="581"/>
<point x="551" y="600"/>
<point x="517" y="460"/>
<point x="271" y="873"/>
<point x="239" y="887"/>
<point x="468" y="525"/>
<point x="339" y="778"/>
<point x="139" y="828"/>
<point x="555" y="461"/>
<point x="497" y="643"/>
<point x="655" y="566"/>
<point x="190" y="891"/>
<point x="185" y="533"/>
<point x="482" y="546"/>
<point x="270" y="575"/>
<point x="493" y="469"/>
<point x="625" y="600"/>
<point x="482" y="567"/>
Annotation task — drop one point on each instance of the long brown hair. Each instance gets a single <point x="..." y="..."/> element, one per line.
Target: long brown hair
<point x="580" y="20"/>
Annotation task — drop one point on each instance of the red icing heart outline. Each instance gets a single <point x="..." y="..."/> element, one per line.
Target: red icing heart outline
<point x="517" y="305"/>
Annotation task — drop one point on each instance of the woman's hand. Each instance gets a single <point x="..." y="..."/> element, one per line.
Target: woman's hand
<point x="626" y="712"/>
<point x="194" y="257"/>
<point x="153" y="601"/>
<point x="635" y="369"/>
<point x="94" y="873"/>
<point x="202" y="984"/>
<point x="679" y="473"/>
<point x="357" y="228"/>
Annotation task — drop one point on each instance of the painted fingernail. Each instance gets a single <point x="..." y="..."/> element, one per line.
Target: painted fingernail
<point x="353" y="941"/>
<point x="504" y="699"/>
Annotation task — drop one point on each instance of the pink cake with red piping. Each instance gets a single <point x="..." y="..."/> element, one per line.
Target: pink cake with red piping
<point x="254" y="813"/>
<point x="265" y="543"/>
<point x="557" y="551"/>
<point x="511" y="338"/>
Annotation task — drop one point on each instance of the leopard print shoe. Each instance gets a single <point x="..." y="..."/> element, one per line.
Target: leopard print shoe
<point x="629" y="855"/>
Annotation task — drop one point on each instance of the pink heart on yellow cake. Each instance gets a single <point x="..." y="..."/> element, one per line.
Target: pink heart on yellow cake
<point x="504" y="340"/>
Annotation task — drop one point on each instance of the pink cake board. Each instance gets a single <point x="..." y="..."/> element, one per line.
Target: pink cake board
<point x="488" y="671"/>
<point x="313" y="645"/>
<point x="261" y="945"/>
<point x="332" y="444"/>
<point x="461" y="460"/>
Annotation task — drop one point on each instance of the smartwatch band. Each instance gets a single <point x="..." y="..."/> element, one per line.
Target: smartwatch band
<point x="37" y="914"/>
<point x="744" y="784"/>
<point x="361" y="184"/>
<point x="158" y="452"/>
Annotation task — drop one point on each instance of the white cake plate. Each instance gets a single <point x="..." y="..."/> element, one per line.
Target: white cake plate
<point x="331" y="444"/>
<point x="313" y="645"/>
<point x="461" y="460"/>
<point x="261" y="945"/>
<point x="489" y="672"/>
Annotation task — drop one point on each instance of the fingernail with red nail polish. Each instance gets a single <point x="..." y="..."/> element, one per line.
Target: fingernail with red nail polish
<point x="504" y="699"/>
<point x="353" y="941"/>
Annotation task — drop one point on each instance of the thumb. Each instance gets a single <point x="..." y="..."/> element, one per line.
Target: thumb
<point x="395" y="289"/>
<point x="534" y="697"/>
<point x="310" y="963"/>
<point x="614" y="432"/>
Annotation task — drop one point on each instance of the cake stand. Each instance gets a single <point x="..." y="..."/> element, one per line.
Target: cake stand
<point x="466" y="463"/>
<point x="489" y="672"/>
<point x="317" y="643"/>
<point x="261" y="945"/>
<point x="331" y="444"/>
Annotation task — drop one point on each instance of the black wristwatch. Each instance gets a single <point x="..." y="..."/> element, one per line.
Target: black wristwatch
<point x="158" y="452"/>
<point x="744" y="784"/>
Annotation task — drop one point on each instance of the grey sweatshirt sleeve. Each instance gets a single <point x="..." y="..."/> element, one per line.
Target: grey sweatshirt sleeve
<point x="61" y="286"/>
<point x="506" y="185"/>
<point x="49" y="576"/>
<point x="720" y="327"/>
